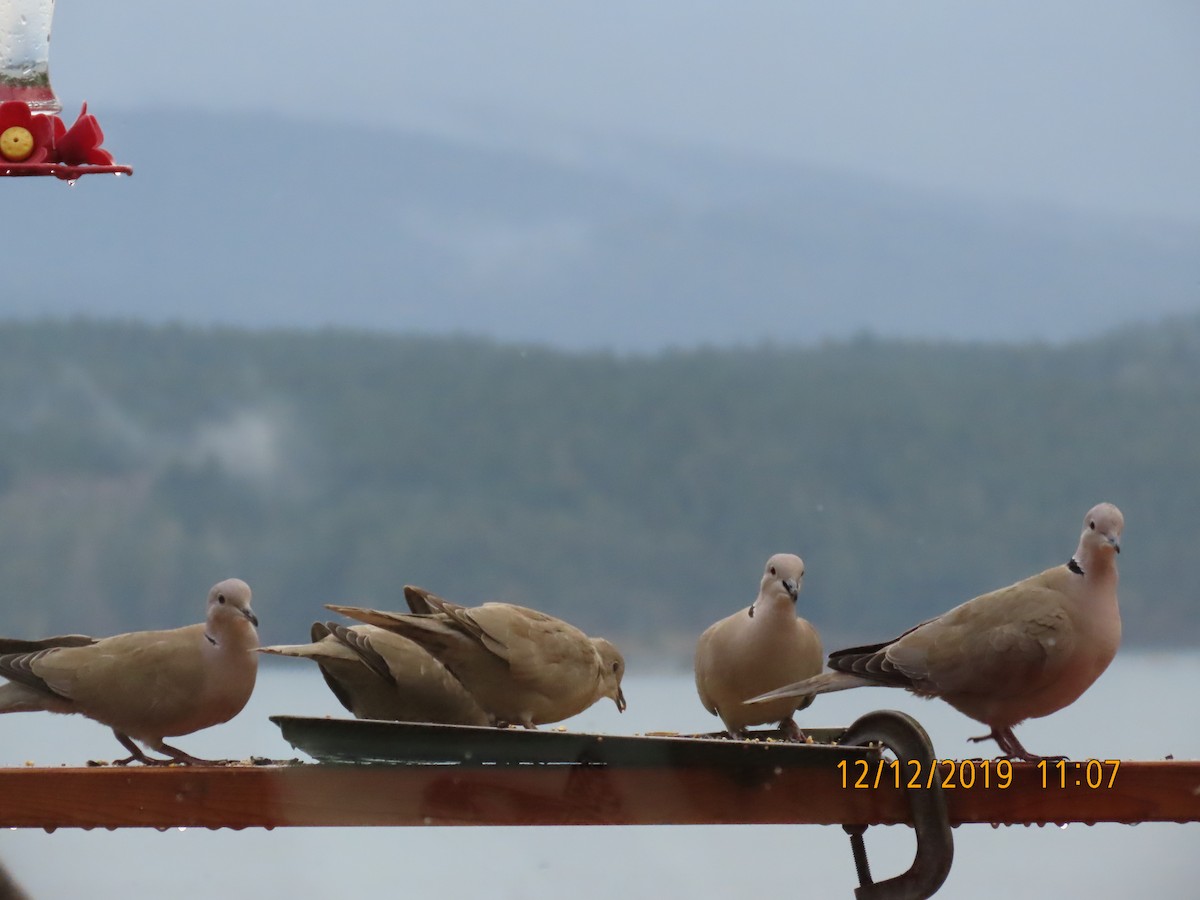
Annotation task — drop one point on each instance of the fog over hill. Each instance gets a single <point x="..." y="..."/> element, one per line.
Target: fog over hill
<point x="261" y="222"/>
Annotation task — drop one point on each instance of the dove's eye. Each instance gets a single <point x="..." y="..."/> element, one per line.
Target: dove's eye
<point x="771" y="570"/>
<point x="615" y="667"/>
<point x="1092" y="525"/>
<point x="220" y="598"/>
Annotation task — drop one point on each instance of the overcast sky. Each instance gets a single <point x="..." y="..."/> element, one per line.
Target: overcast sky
<point x="1091" y="103"/>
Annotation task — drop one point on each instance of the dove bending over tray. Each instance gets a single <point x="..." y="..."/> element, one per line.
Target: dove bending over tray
<point x="145" y="685"/>
<point x="378" y="674"/>
<point x="763" y="646"/>
<point x="1022" y="652"/>
<point x="524" y="667"/>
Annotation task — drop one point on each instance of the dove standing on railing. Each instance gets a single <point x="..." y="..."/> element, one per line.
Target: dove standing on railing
<point x="1022" y="652"/>
<point x="145" y="685"/>
<point x="763" y="646"/>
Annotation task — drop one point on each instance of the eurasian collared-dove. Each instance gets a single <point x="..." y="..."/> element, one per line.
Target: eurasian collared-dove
<point x="1021" y="652"/>
<point x="758" y="648"/>
<point x="145" y="685"/>
<point x="522" y="666"/>
<point x="378" y="674"/>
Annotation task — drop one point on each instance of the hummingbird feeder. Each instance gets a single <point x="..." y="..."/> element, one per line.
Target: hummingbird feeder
<point x="33" y="139"/>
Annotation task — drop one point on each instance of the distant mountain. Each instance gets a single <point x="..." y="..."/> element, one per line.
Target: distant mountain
<point x="263" y="222"/>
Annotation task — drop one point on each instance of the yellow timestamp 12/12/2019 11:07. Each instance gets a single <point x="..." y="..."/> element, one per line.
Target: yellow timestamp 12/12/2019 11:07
<point x="861" y="774"/>
<point x="1090" y="773"/>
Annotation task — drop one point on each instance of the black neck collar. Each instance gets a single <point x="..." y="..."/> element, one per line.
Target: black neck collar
<point x="1074" y="566"/>
<point x="208" y="637"/>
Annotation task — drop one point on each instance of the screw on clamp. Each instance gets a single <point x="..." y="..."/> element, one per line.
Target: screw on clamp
<point x="905" y="737"/>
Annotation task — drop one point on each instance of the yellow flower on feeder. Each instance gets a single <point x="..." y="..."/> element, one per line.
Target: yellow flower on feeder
<point x="24" y="136"/>
<point x="16" y="144"/>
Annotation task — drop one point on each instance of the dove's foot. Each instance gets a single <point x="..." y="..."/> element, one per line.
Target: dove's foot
<point x="135" y="753"/>
<point x="143" y="759"/>
<point x="792" y="731"/>
<point x="1010" y="746"/>
<point x="180" y="756"/>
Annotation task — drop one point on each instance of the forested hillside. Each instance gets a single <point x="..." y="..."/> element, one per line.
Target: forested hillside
<point x="637" y="496"/>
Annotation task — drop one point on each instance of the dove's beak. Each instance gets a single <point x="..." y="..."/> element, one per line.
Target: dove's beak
<point x="1116" y="542"/>
<point x="792" y="588"/>
<point x="249" y="614"/>
<point x="620" y="700"/>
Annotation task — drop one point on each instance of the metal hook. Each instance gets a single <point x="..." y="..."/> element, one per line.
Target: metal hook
<point x="905" y="737"/>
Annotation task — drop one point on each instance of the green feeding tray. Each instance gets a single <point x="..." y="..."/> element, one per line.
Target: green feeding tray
<point x="406" y="743"/>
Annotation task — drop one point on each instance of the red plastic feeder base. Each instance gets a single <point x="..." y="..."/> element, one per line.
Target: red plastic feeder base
<point x="34" y="143"/>
<point x="65" y="172"/>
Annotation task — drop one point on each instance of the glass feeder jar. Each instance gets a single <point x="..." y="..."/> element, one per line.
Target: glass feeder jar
<point x="25" y="53"/>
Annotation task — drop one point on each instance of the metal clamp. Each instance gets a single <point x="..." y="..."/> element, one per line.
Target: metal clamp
<point x="905" y="737"/>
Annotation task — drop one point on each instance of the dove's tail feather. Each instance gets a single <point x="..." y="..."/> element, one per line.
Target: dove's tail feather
<point x="828" y="682"/>
<point x="19" y="698"/>
<point x="421" y="601"/>
<point x="427" y="630"/>
<point x="299" y="651"/>
<point x="18" y="645"/>
<point x="825" y="683"/>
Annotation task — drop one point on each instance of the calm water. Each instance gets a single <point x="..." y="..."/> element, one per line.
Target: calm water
<point x="1144" y="707"/>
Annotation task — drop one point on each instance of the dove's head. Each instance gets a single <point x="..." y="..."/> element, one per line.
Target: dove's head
<point x="612" y="670"/>
<point x="229" y="611"/>
<point x="782" y="577"/>
<point x="1101" y="537"/>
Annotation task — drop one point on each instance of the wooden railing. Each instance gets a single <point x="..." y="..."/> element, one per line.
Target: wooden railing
<point x="274" y="796"/>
